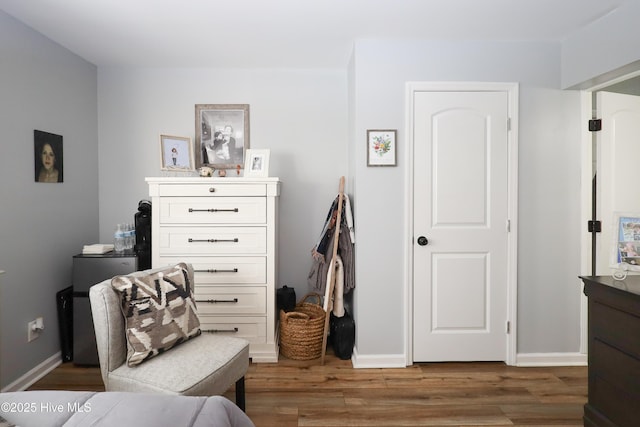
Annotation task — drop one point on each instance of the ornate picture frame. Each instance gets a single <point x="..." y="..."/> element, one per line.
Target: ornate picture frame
<point x="222" y="135"/>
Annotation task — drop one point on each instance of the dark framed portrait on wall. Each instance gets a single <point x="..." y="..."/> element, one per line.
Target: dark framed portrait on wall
<point x="222" y="135"/>
<point x="48" y="157"/>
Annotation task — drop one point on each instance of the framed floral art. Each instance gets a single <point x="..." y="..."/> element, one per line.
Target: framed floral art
<point x="381" y="147"/>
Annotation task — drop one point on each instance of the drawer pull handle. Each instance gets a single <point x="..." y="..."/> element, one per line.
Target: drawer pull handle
<point x="212" y="190"/>
<point x="215" y="331"/>
<point x="213" y="210"/>
<point x="213" y="240"/>
<point x="215" y="270"/>
<point x="217" y="301"/>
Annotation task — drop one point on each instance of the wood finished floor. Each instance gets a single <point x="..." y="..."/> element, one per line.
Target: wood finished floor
<point x="295" y="393"/>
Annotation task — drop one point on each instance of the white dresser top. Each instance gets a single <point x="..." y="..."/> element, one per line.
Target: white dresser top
<point x="215" y="180"/>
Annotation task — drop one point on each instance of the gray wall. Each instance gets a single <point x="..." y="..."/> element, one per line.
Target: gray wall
<point x="44" y="87"/>
<point x="604" y="49"/>
<point x="300" y="115"/>
<point x="548" y="289"/>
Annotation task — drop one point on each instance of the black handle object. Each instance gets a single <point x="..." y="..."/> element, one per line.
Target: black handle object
<point x="217" y="301"/>
<point x="423" y="241"/>
<point x="213" y="240"/>
<point x="214" y="210"/>
<point x="214" y="270"/>
<point x="215" y="331"/>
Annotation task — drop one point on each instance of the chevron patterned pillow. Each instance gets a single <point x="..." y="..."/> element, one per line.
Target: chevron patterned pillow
<point x="159" y="311"/>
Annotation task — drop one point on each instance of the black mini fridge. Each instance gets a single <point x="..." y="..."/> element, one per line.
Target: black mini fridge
<point x="87" y="271"/>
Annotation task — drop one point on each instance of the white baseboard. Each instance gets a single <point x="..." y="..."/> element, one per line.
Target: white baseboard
<point x="551" y="359"/>
<point x="522" y="359"/>
<point x="378" y="360"/>
<point x="31" y="377"/>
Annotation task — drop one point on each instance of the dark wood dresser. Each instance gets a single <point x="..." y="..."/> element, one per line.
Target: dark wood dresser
<point x="614" y="351"/>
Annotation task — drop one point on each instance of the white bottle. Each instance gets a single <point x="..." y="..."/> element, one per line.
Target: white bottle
<point x="131" y="237"/>
<point x="127" y="237"/>
<point x="119" y="238"/>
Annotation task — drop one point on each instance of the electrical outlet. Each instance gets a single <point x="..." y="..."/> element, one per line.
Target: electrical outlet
<point x="34" y="328"/>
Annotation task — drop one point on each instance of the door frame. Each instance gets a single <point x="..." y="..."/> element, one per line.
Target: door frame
<point x="512" y="90"/>
<point x="587" y="112"/>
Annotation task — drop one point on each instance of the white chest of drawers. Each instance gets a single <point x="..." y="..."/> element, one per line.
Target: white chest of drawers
<point x="227" y="229"/>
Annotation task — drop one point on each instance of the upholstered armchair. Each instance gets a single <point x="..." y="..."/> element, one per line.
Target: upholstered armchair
<point x="202" y="365"/>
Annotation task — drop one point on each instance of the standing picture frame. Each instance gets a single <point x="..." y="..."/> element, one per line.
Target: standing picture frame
<point x="625" y="252"/>
<point x="257" y="163"/>
<point x="222" y="135"/>
<point x="381" y="147"/>
<point x="176" y="153"/>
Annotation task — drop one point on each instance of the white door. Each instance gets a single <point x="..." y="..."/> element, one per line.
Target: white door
<point x="617" y="168"/>
<point x="461" y="209"/>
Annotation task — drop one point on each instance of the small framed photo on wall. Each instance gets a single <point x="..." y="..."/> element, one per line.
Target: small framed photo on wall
<point x="48" y="157"/>
<point x="257" y="163"/>
<point x="176" y="153"/>
<point x="381" y="147"/>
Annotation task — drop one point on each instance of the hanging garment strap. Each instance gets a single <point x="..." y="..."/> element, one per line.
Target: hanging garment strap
<point x="329" y="290"/>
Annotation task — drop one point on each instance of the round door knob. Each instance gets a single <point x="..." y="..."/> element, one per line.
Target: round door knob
<point x="423" y="241"/>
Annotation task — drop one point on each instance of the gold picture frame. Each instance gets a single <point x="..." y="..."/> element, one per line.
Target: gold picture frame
<point x="176" y="153"/>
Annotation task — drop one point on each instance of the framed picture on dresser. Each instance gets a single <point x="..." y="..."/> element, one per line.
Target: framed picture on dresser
<point x="257" y="163"/>
<point x="176" y="153"/>
<point x="222" y="135"/>
<point x="625" y="254"/>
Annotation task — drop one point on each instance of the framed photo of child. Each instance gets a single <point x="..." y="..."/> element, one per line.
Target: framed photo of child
<point x="257" y="163"/>
<point x="176" y="153"/>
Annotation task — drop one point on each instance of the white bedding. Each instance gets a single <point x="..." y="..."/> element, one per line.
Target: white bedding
<point x="121" y="409"/>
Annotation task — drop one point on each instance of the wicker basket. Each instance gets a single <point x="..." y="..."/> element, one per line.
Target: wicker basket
<point x="302" y="330"/>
